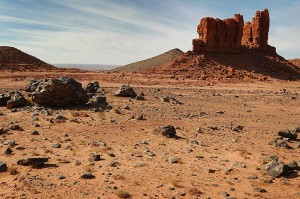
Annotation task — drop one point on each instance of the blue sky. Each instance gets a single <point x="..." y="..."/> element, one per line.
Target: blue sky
<point x="124" y="31"/>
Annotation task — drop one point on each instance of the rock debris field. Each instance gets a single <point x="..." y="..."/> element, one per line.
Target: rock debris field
<point x="113" y="135"/>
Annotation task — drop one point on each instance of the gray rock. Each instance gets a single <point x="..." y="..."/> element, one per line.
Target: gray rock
<point x="15" y="127"/>
<point x="3" y="167"/>
<point x="224" y="193"/>
<point x="174" y="159"/>
<point x="260" y="190"/>
<point x="281" y="144"/>
<point x="92" y="87"/>
<point x="276" y="169"/>
<point x="139" y="97"/>
<point x="2" y="131"/>
<point x="95" y="157"/>
<point x="125" y="91"/>
<point x="57" y="145"/>
<point x="32" y="85"/>
<point x="34" y="133"/>
<point x="8" y="151"/>
<point x="4" y="98"/>
<point x="141" y="117"/>
<point x="63" y="91"/>
<point x="99" y="99"/>
<point x="293" y="165"/>
<point x="87" y="176"/>
<point x="32" y="161"/>
<point x="140" y="165"/>
<point x="238" y="128"/>
<point x="17" y="100"/>
<point x="168" y="131"/>
<point x="288" y="134"/>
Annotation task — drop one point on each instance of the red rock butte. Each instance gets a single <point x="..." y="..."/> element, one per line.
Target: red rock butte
<point x="229" y="35"/>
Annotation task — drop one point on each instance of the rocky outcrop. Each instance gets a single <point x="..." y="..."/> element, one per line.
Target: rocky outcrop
<point x="228" y="35"/>
<point x="63" y="91"/>
<point x="16" y="100"/>
<point x="221" y="36"/>
<point x="125" y="91"/>
<point x="255" y="34"/>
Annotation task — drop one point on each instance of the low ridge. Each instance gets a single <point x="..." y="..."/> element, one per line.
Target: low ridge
<point x="12" y="59"/>
<point x="151" y="62"/>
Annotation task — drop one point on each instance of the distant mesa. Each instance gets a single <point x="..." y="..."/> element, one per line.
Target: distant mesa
<point x="12" y="59"/>
<point x="229" y="35"/>
<point x="225" y="49"/>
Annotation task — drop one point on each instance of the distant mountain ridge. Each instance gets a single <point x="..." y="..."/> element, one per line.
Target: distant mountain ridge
<point x="151" y="62"/>
<point x="13" y="59"/>
<point x="94" y="67"/>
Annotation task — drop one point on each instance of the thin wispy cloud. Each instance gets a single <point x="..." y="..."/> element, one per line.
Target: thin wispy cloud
<point x="121" y="31"/>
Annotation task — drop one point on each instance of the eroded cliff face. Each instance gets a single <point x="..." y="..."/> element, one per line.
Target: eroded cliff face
<point x="216" y="35"/>
<point x="256" y="33"/>
<point x="228" y="35"/>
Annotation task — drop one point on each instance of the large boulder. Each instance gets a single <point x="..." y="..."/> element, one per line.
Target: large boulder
<point x="63" y="91"/>
<point x="125" y="91"/>
<point x="16" y="100"/>
<point x="167" y="131"/>
<point x="4" y="98"/>
<point x="288" y="134"/>
<point x="276" y="168"/>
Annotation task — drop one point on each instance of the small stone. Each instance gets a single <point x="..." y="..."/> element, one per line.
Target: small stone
<point x="10" y="142"/>
<point x="174" y="159"/>
<point x="239" y="164"/>
<point x="32" y="161"/>
<point x="95" y="157"/>
<point x="15" y="127"/>
<point x="238" y="128"/>
<point x="3" y="167"/>
<point x="87" y="176"/>
<point x="199" y="130"/>
<point x="194" y="142"/>
<point x="61" y="177"/>
<point x="253" y="177"/>
<point x="57" y="145"/>
<point x="168" y="131"/>
<point x="141" y="165"/>
<point x="224" y="193"/>
<point x="126" y="107"/>
<point x="2" y="131"/>
<point x="260" y="190"/>
<point x="8" y="151"/>
<point x="35" y="133"/>
<point x="140" y="97"/>
<point x="171" y="188"/>
<point x="113" y="164"/>
<point x="141" y="117"/>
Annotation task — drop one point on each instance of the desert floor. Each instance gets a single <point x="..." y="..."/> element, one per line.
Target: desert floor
<point x="214" y="163"/>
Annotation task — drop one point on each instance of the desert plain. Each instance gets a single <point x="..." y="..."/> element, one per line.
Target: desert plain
<point x="226" y="133"/>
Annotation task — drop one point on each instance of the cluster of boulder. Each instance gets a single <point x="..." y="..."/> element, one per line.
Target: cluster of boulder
<point x="61" y="92"/>
<point x="229" y="35"/>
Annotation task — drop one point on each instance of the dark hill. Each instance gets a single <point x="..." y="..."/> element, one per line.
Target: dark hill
<point x="12" y="59"/>
<point x="151" y="63"/>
